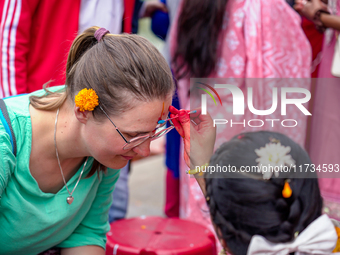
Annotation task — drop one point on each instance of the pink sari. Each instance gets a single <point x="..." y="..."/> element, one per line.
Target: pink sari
<point x="259" y="39"/>
<point x="325" y="134"/>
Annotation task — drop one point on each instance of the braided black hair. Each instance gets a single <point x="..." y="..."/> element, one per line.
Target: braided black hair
<point x="243" y="205"/>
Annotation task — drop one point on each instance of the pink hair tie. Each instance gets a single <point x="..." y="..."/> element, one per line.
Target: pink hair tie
<point x="100" y="33"/>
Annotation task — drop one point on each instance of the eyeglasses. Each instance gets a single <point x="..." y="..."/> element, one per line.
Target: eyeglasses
<point x="134" y="142"/>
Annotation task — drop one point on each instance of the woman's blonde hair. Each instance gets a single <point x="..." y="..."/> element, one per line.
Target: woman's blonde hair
<point x="118" y="67"/>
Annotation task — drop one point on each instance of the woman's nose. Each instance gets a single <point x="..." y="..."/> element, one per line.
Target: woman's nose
<point x="143" y="149"/>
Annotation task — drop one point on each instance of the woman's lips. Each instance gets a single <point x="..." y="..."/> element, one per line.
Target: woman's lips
<point x="127" y="158"/>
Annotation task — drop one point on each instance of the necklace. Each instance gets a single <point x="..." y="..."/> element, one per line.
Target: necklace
<point x="70" y="198"/>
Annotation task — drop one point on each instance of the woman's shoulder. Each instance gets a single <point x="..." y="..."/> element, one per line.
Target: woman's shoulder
<point x="18" y="106"/>
<point x="18" y="112"/>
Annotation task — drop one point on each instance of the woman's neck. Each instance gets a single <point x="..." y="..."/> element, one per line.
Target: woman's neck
<point x="43" y="160"/>
<point x="67" y="133"/>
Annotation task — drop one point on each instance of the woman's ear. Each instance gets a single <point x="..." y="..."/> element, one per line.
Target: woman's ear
<point x="82" y="117"/>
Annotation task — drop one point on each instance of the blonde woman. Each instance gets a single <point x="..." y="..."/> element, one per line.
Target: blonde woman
<point x="56" y="189"/>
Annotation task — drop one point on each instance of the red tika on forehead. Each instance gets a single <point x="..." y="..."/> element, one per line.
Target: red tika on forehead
<point x="161" y="113"/>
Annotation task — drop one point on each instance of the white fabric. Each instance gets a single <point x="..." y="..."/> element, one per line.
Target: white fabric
<point x="101" y="13"/>
<point x="318" y="238"/>
<point x="335" y="70"/>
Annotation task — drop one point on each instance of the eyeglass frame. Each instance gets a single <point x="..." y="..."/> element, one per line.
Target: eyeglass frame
<point x="166" y="130"/>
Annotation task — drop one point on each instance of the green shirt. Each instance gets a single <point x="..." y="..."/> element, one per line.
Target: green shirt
<point x="32" y="221"/>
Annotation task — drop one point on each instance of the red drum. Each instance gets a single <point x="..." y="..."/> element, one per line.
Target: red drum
<point x="159" y="236"/>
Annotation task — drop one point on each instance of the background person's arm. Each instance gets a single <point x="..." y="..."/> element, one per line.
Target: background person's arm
<point x="331" y="21"/>
<point x="309" y="8"/>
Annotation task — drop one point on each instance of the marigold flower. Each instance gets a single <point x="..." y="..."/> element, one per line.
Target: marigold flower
<point x="337" y="247"/>
<point x="86" y="100"/>
<point x="287" y="191"/>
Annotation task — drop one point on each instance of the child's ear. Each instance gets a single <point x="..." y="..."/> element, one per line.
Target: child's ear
<point x="82" y="117"/>
<point x="223" y="243"/>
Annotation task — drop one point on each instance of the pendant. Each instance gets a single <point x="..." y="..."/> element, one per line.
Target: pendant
<point x="69" y="200"/>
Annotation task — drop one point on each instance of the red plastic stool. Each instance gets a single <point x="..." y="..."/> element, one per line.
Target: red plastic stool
<point x="159" y="236"/>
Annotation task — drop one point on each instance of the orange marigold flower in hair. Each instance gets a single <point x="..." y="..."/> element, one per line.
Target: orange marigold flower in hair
<point x="287" y="191"/>
<point x="86" y="100"/>
<point x="337" y="247"/>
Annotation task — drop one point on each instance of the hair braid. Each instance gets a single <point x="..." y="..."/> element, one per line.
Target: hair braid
<point x="229" y="232"/>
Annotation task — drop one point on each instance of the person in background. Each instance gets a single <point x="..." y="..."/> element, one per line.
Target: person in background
<point x="36" y="36"/>
<point x="161" y="23"/>
<point x="315" y="38"/>
<point x="324" y="146"/>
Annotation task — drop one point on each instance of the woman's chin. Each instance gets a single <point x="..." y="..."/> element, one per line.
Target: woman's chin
<point x="118" y="164"/>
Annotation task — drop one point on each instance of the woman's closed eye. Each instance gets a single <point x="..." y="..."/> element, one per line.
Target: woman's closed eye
<point x="138" y="134"/>
<point x="134" y="135"/>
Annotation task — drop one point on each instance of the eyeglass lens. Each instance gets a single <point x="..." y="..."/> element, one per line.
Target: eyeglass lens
<point x="137" y="141"/>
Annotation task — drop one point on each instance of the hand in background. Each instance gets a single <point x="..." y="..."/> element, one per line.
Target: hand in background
<point x="149" y="7"/>
<point x="198" y="137"/>
<point x="309" y="8"/>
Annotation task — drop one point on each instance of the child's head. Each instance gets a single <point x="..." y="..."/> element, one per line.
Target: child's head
<point x="245" y="204"/>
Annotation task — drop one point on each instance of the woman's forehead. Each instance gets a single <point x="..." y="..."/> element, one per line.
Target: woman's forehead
<point x="146" y="115"/>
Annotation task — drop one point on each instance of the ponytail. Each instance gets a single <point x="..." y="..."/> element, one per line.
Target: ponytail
<point x="51" y="101"/>
<point x="80" y="45"/>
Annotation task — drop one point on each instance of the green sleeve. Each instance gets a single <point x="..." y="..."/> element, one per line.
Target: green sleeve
<point x="92" y="230"/>
<point x="7" y="159"/>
